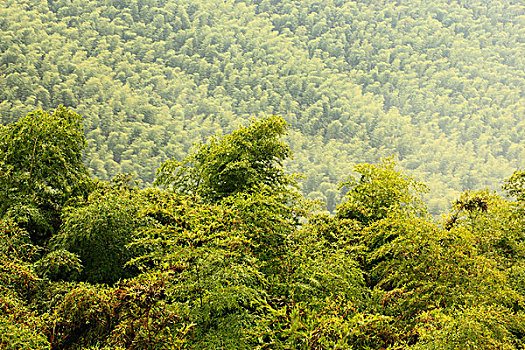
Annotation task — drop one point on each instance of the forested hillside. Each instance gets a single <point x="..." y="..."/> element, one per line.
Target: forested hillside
<point x="225" y="253"/>
<point x="438" y="84"/>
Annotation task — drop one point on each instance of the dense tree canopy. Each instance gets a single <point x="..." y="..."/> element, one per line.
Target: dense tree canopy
<point x="41" y="167"/>
<point x="380" y="190"/>
<point x="258" y="266"/>
<point x="437" y="83"/>
<point x="100" y="229"/>
<point x="207" y="100"/>
<point x="247" y="158"/>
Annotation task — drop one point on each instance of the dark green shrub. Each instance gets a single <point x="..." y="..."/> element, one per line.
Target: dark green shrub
<point x="99" y="232"/>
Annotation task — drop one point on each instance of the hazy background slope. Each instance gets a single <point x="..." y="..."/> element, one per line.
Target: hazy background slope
<point x="440" y="84"/>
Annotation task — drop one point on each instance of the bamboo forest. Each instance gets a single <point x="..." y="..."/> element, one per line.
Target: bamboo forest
<point x="262" y="174"/>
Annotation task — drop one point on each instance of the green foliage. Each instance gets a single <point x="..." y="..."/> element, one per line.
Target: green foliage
<point x="267" y="218"/>
<point x="19" y="326"/>
<point x="17" y="275"/>
<point x="145" y="317"/>
<point x="14" y="336"/>
<point x="379" y="191"/>
<point x="228" y="252"/>
<point x="321" y="263"/>
<point x="213" y="251"/>
<point x="248" y="157"/>
<point x="60" y="265"/>
<point x="424" y="267"/>
<point x="81" y="317"/>
<point x="336" y="325"/>
<point x="471" y="328"/>
<point x="15" y="243"/>
<point x="41" y="167"/>
<point x="322" y="294"/>
<point x="99" y="230"/>
<point x="415" y="267"/>
<point x="439" y="84"/>
<point x="496" y="223"/>
<point x="515" y="185"/>
<point x="236" y="258"/>
<point x="135" y="314"/>
<point x="516" y="278"/>
<point x="43" y="149"/>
